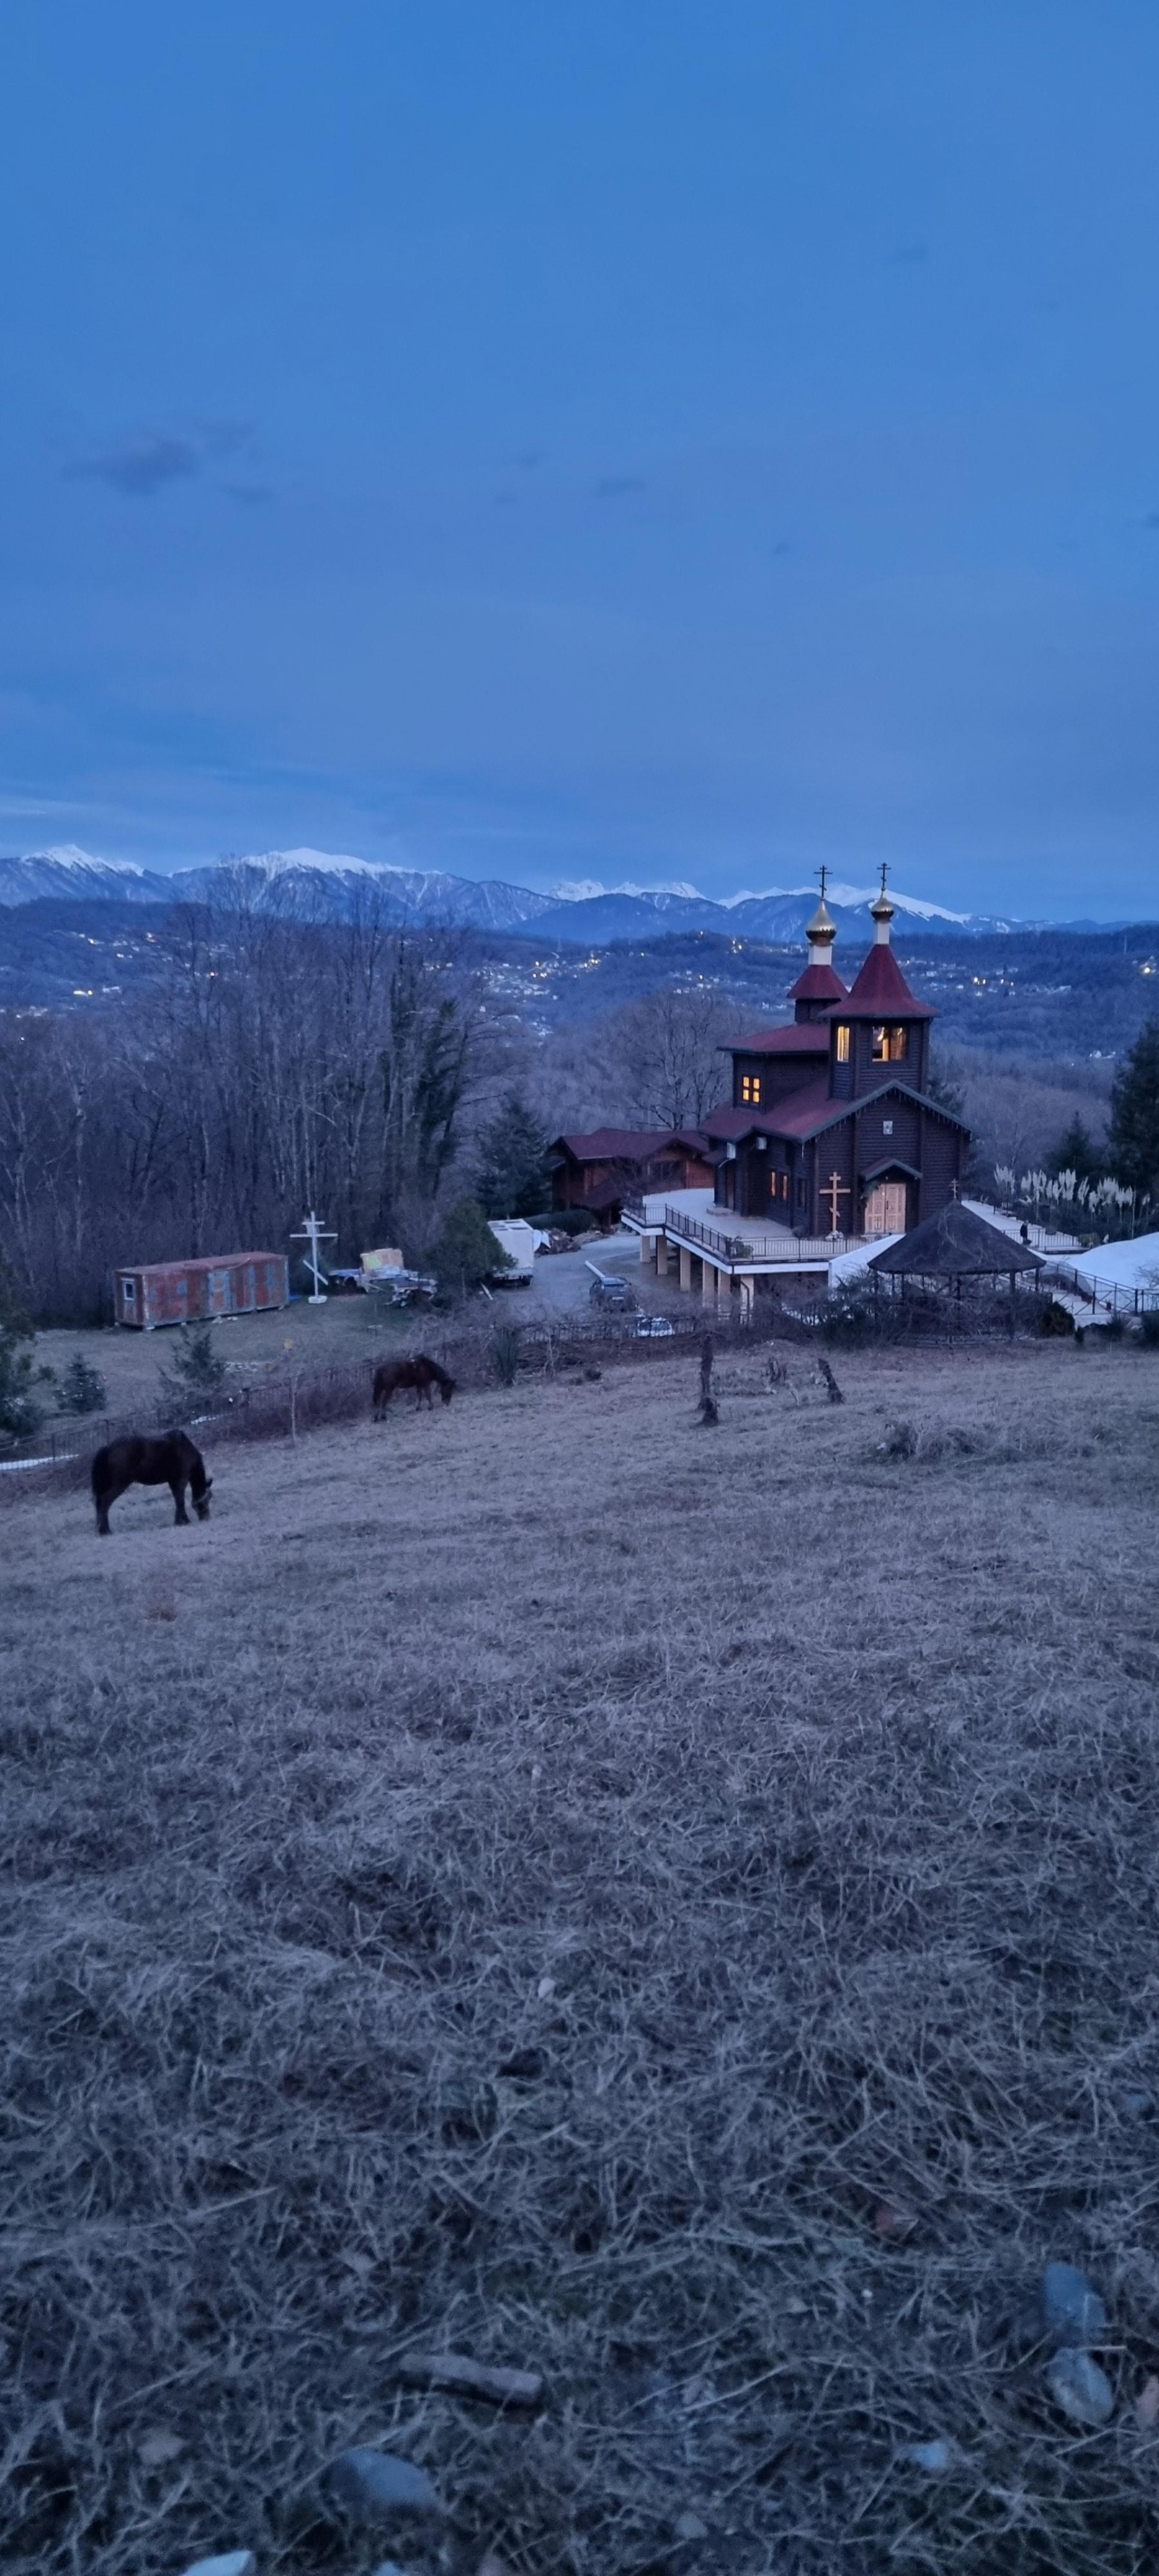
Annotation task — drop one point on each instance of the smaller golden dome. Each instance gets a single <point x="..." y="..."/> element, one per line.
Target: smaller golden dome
<point x="881" y="908"/>
<point x="822" y="926"/>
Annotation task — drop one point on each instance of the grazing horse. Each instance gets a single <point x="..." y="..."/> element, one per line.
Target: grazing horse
<point x="170" y="1459"/>
<point x="421" y="1373"/>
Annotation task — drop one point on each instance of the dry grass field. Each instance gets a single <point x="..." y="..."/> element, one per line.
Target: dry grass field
<point x="677" y="1909"/>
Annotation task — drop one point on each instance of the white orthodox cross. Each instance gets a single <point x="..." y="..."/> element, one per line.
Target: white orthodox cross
<point x="833" y="1190"/>
<point x="313" y="1232"/>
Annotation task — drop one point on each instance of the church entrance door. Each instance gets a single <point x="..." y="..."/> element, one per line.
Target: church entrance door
<point x="885" y="1209"/>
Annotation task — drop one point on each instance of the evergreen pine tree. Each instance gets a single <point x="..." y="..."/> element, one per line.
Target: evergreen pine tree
<point x="466" y="1251"/>
<point x="198" y="1370"/>
<point x="82" y="1388"/>
<point x="513" y="1173"/>
<point x="1077" y="1153"/>
<point x="19" y="1410"/>
<point x="1133" y="1133"/>
<point x="13" y="1316"/>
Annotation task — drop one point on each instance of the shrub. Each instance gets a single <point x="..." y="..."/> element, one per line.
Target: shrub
<point x="503" y="1352"/>
<point x="854" y="1316"/>
<point x="1055" y="1321"/>
<point x="1148" y="1332"/>
<point x="901" y="1441"/>
<point x="82" y="1388"/>
<point x="19" y="1411"/>
<point x="197" y="1368"/>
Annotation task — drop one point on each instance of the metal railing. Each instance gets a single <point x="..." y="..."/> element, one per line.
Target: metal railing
<point x="1111" y="1293"/>
<point x="737" y="1247"/>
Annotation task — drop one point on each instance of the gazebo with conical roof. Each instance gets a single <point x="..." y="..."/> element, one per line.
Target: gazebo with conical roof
<point x="955" y="1244"/>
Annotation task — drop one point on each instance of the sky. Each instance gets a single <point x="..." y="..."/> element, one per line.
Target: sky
<point x="562" y="439"/>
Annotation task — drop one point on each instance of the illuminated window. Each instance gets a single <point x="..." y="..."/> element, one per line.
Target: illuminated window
<point x="888" y="1045"/>
<point x="750" y="1090"/>
<point x="842" y="1046"/>
<point x="784" y="1185"/>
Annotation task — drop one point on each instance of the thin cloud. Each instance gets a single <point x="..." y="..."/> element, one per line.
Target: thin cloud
<point x="616" y="487"/>
<point x="251" y="494"/>
<point x="139" y="466"/>
<point x="225" y="437"/>
<point x="145" y="463"/>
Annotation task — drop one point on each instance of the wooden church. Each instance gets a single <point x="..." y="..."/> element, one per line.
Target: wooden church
<point x="831" y="1129"/>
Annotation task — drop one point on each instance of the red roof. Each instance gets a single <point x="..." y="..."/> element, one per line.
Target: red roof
<point x="811" y="1107"/>
<point x="204" y="1261"/>
<point x="627" y="1144"/>
<point x="881" y="990"/>
<point x="806" y="1112"/>
<point x="818" y="984"/>
<point x="802" y="1037"/>
<point x="731" y="1123"/>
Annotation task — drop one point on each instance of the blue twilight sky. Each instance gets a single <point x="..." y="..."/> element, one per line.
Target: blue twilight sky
<point x="567" y="438"/>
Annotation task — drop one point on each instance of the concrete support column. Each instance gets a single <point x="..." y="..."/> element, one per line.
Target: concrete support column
<point x="661" y="1256"/>
<point x="708" y="1279"/>
<point x="647" y="1249"/>
<point x="746" y="1300"/>
<point x="685" y="1267"/>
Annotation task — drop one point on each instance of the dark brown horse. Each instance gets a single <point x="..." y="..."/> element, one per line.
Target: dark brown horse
<point x="170" y="1459"/>
<point x="421" y="1373"/>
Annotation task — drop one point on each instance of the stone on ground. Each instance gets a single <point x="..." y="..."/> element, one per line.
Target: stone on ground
<point x="1070" y="2305"/>
<point x="1077" y="2384"/>
<point x="368" y="2484"/>
<point x="236" y="2562"/>
<point x="456" y="2373"/>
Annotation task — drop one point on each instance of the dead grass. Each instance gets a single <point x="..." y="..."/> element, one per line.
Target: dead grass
<point x="674" y="1909"/>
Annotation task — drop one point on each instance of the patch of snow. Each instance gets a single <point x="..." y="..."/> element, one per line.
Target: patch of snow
<point x="66" y="854"/>
<point x="848" y="898"/>
<point x="589" y="889"/>
<point x="329" y="863"/>
<point x="1133" y="1263"/>
<point x="846" y="1265"/>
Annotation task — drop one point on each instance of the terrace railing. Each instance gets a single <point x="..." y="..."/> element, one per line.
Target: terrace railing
<point x="1109" y="1293"/>
<point x="791" y="1249"/>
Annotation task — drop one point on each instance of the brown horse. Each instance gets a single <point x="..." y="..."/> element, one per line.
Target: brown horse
<point x="170" y="1459"/>
<point x="421" y="1373"/>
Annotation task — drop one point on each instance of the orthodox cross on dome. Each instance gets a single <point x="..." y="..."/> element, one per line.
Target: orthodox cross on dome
<point x="882" y="912"/>
<point x="823" y="873"/>
<point x="834" y="1189"/>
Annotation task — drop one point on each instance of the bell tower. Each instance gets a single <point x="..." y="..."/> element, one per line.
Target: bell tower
<point x="820" y="986"/>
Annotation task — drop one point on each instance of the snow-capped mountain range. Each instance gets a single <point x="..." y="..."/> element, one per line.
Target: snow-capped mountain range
<point x="333" y="885"/>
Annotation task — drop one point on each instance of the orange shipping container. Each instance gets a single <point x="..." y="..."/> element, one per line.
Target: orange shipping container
<point x="189" y="1292"/>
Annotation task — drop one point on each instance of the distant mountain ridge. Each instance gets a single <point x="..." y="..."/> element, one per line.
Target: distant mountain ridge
<point x="333" y="885"/>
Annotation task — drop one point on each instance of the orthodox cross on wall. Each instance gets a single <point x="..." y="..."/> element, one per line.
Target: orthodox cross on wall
<point x="833" y="1190"/>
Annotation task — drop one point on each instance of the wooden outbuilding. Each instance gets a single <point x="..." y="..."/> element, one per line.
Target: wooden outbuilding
<point x="192" y="1292"/>
<point x="601" y="1169"/>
